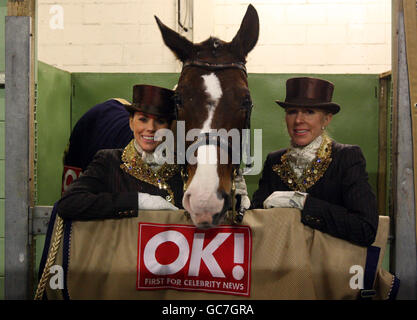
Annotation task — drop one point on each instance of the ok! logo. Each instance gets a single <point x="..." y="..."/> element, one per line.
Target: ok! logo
<point x="183" y="257"/>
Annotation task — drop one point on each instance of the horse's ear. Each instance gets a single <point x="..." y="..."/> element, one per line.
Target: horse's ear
<point x="248" y="33"/>
<point x="178" y="44"/>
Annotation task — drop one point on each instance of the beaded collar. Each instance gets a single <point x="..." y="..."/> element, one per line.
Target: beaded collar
<point x="136" y="167"/>
<point x="311" y="174"/>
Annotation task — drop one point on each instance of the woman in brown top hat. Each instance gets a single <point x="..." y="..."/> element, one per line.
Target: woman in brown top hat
<point x="326" y="180"/>
<point x="118" y="182"/>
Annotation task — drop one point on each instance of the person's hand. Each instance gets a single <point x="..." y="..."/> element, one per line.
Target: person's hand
<point x="147" y="201"/>
<point x="286" y="199"/>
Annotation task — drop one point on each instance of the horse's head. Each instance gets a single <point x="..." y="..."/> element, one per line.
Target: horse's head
<point x="213" y="93"/>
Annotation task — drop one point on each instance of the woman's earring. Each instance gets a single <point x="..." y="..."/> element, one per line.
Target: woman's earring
<point x="323" y="128"/>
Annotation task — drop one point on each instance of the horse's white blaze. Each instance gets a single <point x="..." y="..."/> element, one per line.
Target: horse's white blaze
<point x="213" y="87"/>
<point x="214" y="92"/>
<point x="203" y="187"/>
<point x="208" y="154"/>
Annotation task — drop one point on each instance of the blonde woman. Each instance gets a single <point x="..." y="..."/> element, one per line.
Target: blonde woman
<point x="326" y="180"/>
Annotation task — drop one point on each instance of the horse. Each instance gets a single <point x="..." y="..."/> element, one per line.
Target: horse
<point x="212" y="94"/>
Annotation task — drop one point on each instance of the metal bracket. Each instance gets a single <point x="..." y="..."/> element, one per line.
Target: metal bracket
<point x="40" y="219"/>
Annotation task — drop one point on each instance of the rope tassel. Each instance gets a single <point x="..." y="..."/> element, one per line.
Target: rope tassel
<point x="51" y="258"/>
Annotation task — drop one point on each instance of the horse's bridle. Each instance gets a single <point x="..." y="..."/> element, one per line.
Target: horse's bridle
<point x="208" y="139"/>
<point x="248" y="105"/>
<point x="215" y="66"/>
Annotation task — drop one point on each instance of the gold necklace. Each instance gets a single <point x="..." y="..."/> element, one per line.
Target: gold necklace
<point x="136" y="167"/>
<point x="311" y="174"/>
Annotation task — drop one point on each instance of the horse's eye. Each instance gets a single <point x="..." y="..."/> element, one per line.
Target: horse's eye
<point x="247" y="103"/>
<point x="178" y="100"/>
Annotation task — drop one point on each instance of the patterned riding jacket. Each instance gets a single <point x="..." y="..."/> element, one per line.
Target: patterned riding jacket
<point x="340" y="200"/>
<point x="109" y="187"/>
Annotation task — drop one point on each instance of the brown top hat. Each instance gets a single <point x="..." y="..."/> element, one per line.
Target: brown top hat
<point x="152" y="100"/>
<point x="310" y="93"/>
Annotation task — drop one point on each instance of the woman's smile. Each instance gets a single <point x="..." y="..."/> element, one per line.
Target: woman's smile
<point x="300" y="132"/>
<point x="148" y="138"/>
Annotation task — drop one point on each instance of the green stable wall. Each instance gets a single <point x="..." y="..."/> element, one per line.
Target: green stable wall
<point x="63" y="98"/>
<point x="53" y="114"/>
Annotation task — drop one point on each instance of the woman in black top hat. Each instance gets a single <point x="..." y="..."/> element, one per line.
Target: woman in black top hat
<point x="326" y="180"/>
<point x="118" y="182"/>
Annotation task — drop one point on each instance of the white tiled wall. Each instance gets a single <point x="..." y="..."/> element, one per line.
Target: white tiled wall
<point x="296" y="36"/>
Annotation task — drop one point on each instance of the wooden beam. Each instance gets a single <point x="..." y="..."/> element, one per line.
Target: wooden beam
<point x="386" y="74"/>
<point x="410" y="22"/>
<point x="405" y="251"/>
<point x="396" y="7"/>
<point x="17" y="255"/>
<point x="382" y="144"/>
<point x="21" y="8"/>
<point x="27" y="8"/>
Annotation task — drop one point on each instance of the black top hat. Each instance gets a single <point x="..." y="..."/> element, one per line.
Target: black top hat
<point x="152" y="100"/>
<point x="310" y="93"/>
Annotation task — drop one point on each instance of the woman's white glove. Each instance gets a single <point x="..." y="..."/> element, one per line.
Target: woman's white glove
<point x="147" y="201"/>
<point x="286" y="199"/>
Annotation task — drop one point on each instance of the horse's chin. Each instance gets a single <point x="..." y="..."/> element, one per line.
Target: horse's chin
<point x="208" y="220"/>
<point x="204" y="226"/>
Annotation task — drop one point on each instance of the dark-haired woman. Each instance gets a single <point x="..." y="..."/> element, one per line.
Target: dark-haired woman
<point x="119" y="182"/>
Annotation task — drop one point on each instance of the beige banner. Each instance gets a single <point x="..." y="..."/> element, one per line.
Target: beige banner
<point x="289" y="260"/>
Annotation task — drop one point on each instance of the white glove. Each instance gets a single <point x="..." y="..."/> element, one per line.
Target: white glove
<point x="147" y="201"/>
<point x="286" y="199"/>
<point x="241" y="189"/>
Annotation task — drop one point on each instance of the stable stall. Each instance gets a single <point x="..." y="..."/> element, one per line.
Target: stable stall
<point x="43" y="103"/>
